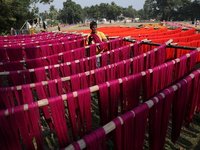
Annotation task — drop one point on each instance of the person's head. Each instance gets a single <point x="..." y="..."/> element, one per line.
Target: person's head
<point x="93" y="27"/>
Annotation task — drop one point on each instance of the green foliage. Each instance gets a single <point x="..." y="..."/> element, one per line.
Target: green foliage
<point x="42" y="1"/>
<point x="140" y="14"/>
<point x="172" y="9"/>
<point x="15" y="12"/>
<point x="194" y="8"/>
<point x="114" y="11"/>
<point x="129" y="12"/>
<point x="95" y="12"/>
<point x="53" y="13"/>
<point x="149" y="9"/>
<point x="103" y="8"/>
<point x="71" y="12"/>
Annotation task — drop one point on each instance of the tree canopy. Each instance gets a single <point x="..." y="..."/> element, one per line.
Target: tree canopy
<point x="94" y="12"/>
<point x="71" y="12"/>
<point x="152" y="9"/>
<point x="172" y="9"/>
<point x="15" y="12"/>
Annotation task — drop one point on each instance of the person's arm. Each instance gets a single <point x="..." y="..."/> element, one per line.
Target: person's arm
<point x="103" y="37"/>
<point x="104" y="40"/>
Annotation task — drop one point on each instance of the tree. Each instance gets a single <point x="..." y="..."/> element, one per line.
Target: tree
<point x="15" y="12"/>
<point x="71" y="12"/>
<point x="53" y="13"/>
<point x="195" y="11"/>
<point x="114" y="11"/>
<point x="149" y="9"/>
<point x="169" y="9"/>
<point x="103" y="9"/>
<point x="86" y="14"/>
<point x="184" y="11"/>
<point x="140" y="14"/>
<point x="42" y="1"/>
<point x="129" y="12"/>
<point x="95" y="12"/>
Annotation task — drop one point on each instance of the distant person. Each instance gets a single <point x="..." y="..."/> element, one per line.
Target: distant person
<point x="44" y="25"/>
<point x="192" y="22"/>
<point x="124" y="21"/>
<point x="161" y="23"/>
<point x="164" y="23"/>
<point x="12" y="31"/>
<point x="197" y="22"/>
<point x="58" y="28"/>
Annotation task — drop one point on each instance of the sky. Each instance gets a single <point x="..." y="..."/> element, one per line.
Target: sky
<point x="137" y="4"/>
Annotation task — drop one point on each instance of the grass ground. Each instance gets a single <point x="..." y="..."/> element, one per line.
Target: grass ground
<point x="189" y="138"/>
<point x="86" y="27"/>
